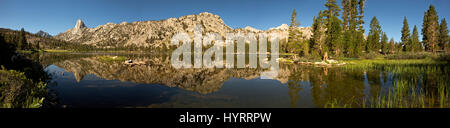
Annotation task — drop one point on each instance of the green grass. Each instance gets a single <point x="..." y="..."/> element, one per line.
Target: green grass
<point x="415" y="55"/>
<point x="396" y="65"/>
<point x="286" y="60"/>
<point x="111" y="58"/>
<point x="419" y="83"/>
<point x="288" y="54"/>
<point x="404" y="94"/>
<point x="55" y="50"/>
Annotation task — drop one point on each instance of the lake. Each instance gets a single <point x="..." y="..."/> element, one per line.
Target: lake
<point x="87" y="80"/>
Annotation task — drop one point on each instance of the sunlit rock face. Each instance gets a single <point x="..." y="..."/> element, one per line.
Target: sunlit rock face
<point x="157" y="34"/>
<point x="79" y="26"/>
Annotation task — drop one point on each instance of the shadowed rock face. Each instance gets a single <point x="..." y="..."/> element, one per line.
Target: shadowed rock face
<point x="43" y="34"/>
<point x="156" y="34"/>
<point x="80" y="24"/>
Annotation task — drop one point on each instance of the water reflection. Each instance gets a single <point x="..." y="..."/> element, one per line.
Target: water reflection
<point x="84" y="80"/>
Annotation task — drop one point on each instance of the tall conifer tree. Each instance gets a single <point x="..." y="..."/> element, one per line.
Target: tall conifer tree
<point x="406" y="36"/>
<point x="430" y="29"/>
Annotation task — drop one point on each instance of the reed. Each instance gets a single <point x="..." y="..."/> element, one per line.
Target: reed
<point x="418" y="83"/>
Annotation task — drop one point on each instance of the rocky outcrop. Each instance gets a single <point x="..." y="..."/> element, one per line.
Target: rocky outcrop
<point x="79" y="27"/>
<point x="284" y="28"/>
<point x="281" y="27"/>
<point x="156" y="34"/>
<point x="43" y="34"/>
<point x="251" y="29"/>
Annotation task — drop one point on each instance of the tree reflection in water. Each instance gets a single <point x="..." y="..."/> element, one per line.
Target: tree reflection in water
<point x="325" y="86"/>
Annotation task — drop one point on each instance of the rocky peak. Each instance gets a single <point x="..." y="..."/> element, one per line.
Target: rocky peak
<point x="43" y="34"/>
<point x="281" y="27"/>
<point x="80" y="24"/>
<point x="207" y="14"/>
<point x="251" y="29"/>
<point x="78" y="27"/>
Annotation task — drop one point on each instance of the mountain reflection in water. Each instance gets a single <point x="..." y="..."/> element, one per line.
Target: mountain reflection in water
<point x="84" y="80"/>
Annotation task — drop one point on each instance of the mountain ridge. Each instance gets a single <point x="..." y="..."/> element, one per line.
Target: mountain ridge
<point x="156" y="34"/>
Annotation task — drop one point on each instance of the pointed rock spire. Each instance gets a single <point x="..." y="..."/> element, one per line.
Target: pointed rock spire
<point x="80" y="24"/>
<point x="79" y="27"/>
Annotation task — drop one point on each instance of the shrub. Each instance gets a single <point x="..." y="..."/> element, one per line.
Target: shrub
<point x="17" y="91"/>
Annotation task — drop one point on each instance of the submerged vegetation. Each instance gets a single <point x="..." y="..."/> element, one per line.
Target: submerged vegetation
<point x="403" y="94"/>
<point x="417" y="83"/>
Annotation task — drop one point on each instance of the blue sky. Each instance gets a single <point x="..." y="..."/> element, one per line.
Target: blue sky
<point x="55" y="16"/>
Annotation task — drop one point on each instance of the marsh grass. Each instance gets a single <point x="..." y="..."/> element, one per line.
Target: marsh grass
<point x="411" y="55"/>
<point x="400" y="66"/>
<point x="55" y="50"/>
<point x="418" y="83"/>
<point x="111" y="58"/>
<point x="403" y="95"/>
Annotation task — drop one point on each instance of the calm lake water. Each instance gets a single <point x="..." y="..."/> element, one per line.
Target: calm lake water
<point x="86" y="80"/>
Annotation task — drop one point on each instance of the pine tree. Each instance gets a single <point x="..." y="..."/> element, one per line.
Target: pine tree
<point x="295" y="36"/>
<point x="333" y="9"/>
<point x="333" y="28"/>
<point x="334" y="39"/>
<point x="22" y="40"/>
<point x="391" y="46"/>
<point x="373" y="40"/>
<point x="38" y="45"/>
<point x="430" y="29"/>
<point x="353" y="22"/>
<point x="294" y="22"/>
<point x="361" y="14"/>
<point x="345" y="14"/>
<point x="319" y="37"/>
<point x="415" y="43"/>
<point x="384" y="43"/>
<point x="360" y="40"/>
<point x="352" y="15"/>
<point x="443" y="35"/>
<point x="398" y="47"/>
<point x="406" y="36"/>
